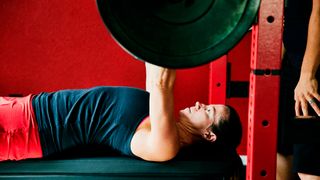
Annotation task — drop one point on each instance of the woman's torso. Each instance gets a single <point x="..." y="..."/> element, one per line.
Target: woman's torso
<point x="102" y="115"/>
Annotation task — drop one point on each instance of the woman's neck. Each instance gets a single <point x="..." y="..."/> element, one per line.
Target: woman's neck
<point x="186" y="133"/>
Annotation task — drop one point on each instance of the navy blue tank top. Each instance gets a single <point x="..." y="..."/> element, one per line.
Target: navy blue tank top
<point x="101" y="116"/>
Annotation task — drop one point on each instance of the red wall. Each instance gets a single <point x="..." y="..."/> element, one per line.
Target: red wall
<point x="52" y="45"/>
<point x="49" y="45"/>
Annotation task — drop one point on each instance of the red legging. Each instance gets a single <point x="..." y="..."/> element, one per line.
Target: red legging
<point x="19" y="136"/>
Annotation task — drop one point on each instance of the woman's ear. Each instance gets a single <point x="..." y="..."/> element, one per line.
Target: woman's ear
<point x="209" y="136"/>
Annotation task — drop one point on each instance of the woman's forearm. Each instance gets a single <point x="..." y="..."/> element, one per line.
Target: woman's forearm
<point x="161" y="85"/>
<point x="162" y="112"/>
<point x="163" y="140"/>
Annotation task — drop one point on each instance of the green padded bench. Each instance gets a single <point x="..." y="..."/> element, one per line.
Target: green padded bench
<point x="91" y="163"/>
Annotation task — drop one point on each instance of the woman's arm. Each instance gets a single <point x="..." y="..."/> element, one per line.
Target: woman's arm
<point x="307" y="87"/>
<point x="161" y="141"/>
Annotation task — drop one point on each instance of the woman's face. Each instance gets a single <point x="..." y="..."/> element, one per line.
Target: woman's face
<point x="202" y="116"/>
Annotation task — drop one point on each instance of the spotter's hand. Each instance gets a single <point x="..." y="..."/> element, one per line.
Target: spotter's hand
<point x="305" y="94"/>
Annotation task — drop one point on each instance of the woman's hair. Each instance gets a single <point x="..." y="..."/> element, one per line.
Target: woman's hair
<point x="229" y="131"/>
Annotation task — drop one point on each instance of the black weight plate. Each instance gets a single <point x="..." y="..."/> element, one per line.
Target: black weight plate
<point x="178" y="33"/>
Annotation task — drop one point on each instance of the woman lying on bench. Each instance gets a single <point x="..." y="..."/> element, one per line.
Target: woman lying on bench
<point x="129" y="120"/>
